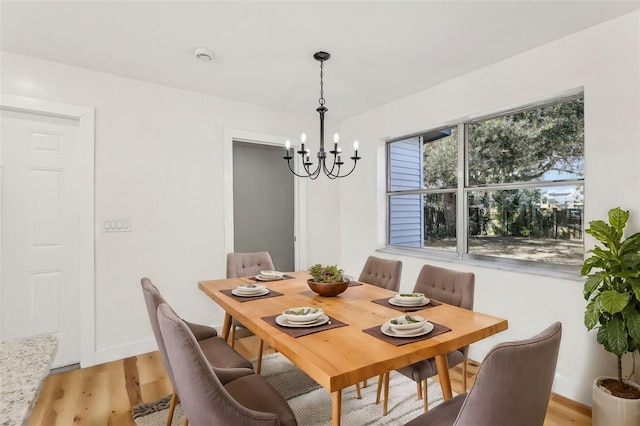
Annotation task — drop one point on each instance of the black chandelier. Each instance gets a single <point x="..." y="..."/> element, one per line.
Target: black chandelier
<point x="333" y="171"/>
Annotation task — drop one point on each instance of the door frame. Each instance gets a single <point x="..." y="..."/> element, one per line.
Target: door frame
<point x="299" y="193"/>
<point x="86" y="120"/>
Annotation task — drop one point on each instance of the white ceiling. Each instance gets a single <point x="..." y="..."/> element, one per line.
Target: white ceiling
<point x="381" y="50"/>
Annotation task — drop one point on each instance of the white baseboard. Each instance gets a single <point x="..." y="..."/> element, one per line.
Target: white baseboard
<point x="114" y="353"/>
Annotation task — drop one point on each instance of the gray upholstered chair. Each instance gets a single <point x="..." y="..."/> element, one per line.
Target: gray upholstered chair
<point x="385" y="273"/>
<point x="218" y="396"/>
<point x="512" y="387"/>
<point x="247" y="265"/>
<point x="216" y="350"/>
<point x="451" y="287"/>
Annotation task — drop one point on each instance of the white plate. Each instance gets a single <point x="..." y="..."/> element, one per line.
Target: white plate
<point x="386" y="329"/>
<point x="271" y="274"/>
<point x="262" y="292"/>
<point x="281" y="320"/>
<point x="395" y="302"/>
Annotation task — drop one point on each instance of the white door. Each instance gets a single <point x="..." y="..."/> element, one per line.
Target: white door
<point x="40" y="164"/>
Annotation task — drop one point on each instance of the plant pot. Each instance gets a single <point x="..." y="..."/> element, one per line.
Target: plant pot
<point x="327" y="289"/>
<point x="610" y="410"/>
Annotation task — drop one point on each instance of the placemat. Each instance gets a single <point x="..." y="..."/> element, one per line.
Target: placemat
<point x="302" y="331"/>
<point x="399" y="341"/>
<point x="284" y="277"/>
<point x="385" y="302"/>
<point x="354" y="283"/>
<point x="272" y="293"/>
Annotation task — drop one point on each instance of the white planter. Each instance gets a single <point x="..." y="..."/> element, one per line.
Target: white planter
<point x="610" y="410"/>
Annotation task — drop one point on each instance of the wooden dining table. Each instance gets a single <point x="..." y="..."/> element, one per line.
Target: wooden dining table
<point x="340" y="357"/>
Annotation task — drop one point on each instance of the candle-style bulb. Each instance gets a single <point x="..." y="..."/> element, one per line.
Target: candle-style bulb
<point x="287" y="145"/>
<point x="303" y="137"/>
<point x="336" y="138"/>
<point x="355" y="145"/>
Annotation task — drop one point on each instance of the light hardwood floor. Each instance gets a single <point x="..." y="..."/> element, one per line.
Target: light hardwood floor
<point x="104" y="394"/>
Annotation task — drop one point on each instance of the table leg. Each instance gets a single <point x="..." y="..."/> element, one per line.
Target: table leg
<point x="226" y="326"/>
<point x="336" y="407"/>
<point x="443" y="373"/>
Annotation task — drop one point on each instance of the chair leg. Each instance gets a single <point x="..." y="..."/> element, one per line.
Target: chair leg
<point x="464" y="375"/>
<point x="172" y="407"/>
<point x="185" y="422"/>
<point x="426" y="395"/>
<point x="419" y="390"/>
<point x="260" y="349"/>
<point x="233" y="336"/>
<point x="358" y="394"/>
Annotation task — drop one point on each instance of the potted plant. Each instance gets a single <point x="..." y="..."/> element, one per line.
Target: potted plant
<point x="327" y="280"/>
<point x="613" y="294"/>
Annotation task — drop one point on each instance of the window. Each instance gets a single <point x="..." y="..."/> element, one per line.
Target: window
<point x="508" y="187"/>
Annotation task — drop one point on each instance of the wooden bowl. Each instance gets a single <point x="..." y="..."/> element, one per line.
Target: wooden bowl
<point x="328" y="289"/>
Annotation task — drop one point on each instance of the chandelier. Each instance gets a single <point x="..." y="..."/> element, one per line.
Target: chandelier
<point x="333" y="170"/>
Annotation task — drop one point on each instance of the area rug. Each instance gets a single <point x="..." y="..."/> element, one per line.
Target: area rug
<point x="311" y="404"/>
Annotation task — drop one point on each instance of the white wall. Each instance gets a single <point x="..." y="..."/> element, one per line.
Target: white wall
<point x="605" y="60"/>
<point x="158" y="160"/>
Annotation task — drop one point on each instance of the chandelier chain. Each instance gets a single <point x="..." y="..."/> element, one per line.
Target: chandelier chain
<point x="321" y="100"/>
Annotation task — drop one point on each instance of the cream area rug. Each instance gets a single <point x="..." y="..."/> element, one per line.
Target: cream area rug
<point x="311" y="404"/>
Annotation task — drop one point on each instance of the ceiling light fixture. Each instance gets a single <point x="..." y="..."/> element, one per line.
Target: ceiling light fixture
<point x="203" y="54"/>
<point x="334" y="171"/>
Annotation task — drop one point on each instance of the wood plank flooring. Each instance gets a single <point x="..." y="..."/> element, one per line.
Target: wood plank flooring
<point x="104" y="394"/>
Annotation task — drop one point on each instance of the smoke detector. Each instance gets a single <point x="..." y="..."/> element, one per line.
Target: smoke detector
<point x="204" y="54"/>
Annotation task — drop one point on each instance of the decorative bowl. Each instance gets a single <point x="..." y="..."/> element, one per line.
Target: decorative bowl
<point x="327" y="289"/>
<point x="412" y="298"/>
<point x="303" y="314"/>
<point x="271" y="274"/>
<point x="250" y="288"/>
<point x="407" y="322"/>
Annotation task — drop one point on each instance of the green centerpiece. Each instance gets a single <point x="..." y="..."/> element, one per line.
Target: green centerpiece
<point x="327" y="280"/>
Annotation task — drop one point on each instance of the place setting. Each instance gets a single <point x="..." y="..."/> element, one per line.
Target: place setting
<point x="245" y="292"/>
<point x="303" y="320"/>
<point x="268" y="275"/>
<point x="406" y="329"/>
<point x="407" y="302"/>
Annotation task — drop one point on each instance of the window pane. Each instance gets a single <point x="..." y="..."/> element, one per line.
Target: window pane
<point x="440" y="158"/>
<point x="405" y="220"/>
<point x="541" y="144"/>
<point x="423" y="220"/>
<point x="440" y="221"/>
<point x="405" y="165"/>
<point x="541" y="224"/>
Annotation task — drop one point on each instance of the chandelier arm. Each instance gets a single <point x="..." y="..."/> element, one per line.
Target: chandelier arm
<point x="313" y="175"/>
<point x="350" y="171"/>
<point x="292" y="171"/>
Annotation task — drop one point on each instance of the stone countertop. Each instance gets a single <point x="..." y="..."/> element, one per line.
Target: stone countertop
<point x="24" y="364"/>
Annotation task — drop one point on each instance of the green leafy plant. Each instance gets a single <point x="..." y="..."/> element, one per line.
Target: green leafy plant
<point x="613" y="289"/>
<point x="326" y="274"/>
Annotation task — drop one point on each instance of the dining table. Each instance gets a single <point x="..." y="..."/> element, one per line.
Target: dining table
<point x="349" y="348"/>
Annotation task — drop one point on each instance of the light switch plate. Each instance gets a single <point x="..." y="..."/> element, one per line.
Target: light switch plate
<point x="118" y="224"/>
